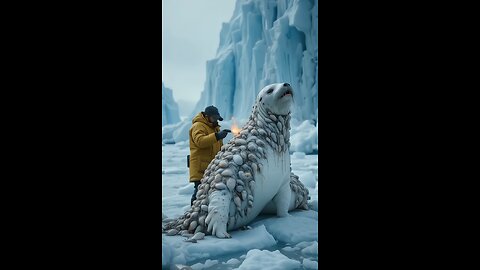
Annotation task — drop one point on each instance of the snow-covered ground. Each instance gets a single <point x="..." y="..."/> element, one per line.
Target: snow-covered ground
<point x="272" y="243"/>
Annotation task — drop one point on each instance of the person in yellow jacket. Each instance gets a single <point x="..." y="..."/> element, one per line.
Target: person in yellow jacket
<point x="205" y="142"/>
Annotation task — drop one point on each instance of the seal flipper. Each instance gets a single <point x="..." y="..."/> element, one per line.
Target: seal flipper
<point x="282" y="200"/>
<point x="218" y="210"/>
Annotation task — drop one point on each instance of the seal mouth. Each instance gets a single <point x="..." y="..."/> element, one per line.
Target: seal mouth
<point x="287" y="93"/>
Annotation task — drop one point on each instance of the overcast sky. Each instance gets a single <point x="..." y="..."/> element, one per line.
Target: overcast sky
<point x="190" y="37"/>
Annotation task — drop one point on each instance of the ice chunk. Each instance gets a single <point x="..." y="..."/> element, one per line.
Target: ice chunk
<point x="181" y="133"/>
<point x="307" y="178"/>
<point x="310" y="264"/>
<point x="233" y="261"/>
<point x="299" y="155"/>
<point x="301" y="225"/>
<point x="313" y="205"/>
<point x="290" y="249"/>
<point x="304" y="138"/>
<point x="175" y="171"/>
<point x="304" y="244"/>
<point x="311" y="249"/>
<point x="208" y="263"/>
<point x="166" y="253"/>
<point x="168" y="130"/>
<point x="268" y="260"/>
<point x="212" y="247"/>
<point x="188" y="189"/>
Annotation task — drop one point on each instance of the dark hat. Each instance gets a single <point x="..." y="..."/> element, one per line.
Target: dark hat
<point x="213" y="111"/>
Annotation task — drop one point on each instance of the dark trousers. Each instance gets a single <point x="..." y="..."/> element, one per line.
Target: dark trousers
<point x="194" y="196"/>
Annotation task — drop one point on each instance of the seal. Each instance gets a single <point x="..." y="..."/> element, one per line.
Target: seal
<point x="250" y="175"/>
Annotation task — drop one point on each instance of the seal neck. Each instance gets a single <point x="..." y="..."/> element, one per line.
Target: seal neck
<point x="273" y="128"/>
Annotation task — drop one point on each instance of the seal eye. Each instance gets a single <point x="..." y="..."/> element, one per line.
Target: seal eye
<point x="270" y="91"/>
<point x="261" y="99"/>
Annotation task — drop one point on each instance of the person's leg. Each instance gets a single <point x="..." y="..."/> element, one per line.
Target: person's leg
<point x="194" y="196"/>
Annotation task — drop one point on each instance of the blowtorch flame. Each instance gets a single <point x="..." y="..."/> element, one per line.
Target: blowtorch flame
<point x="234" y="128"/>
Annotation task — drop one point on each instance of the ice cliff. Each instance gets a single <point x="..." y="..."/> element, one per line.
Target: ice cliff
<point x="266" y="41"/>
<point x="170" y="114"/>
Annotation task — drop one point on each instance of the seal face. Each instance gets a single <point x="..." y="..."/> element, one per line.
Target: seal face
<point x="250" y="174"/>
<point x="277" y="98"/>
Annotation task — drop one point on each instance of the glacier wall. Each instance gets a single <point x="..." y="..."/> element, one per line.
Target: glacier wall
<point x="266" y="41"/>
<point x="170" y="112"/>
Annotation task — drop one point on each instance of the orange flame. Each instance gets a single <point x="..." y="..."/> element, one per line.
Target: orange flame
<point x="235" y="129"/>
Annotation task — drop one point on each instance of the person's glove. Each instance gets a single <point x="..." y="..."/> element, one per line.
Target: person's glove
<point x="222" y="134"/>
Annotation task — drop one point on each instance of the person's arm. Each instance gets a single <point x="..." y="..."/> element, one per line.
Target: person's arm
<point x="221" y="141"/>
<point x="201" y="138"/>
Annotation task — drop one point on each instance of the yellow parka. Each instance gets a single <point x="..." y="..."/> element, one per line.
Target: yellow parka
<point x="203" y="146"/>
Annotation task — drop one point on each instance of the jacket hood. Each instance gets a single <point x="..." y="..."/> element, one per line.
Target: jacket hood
<point x="200" y="118"/>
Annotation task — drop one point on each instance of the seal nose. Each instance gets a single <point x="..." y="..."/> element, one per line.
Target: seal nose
<point x="286" y="84"/>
